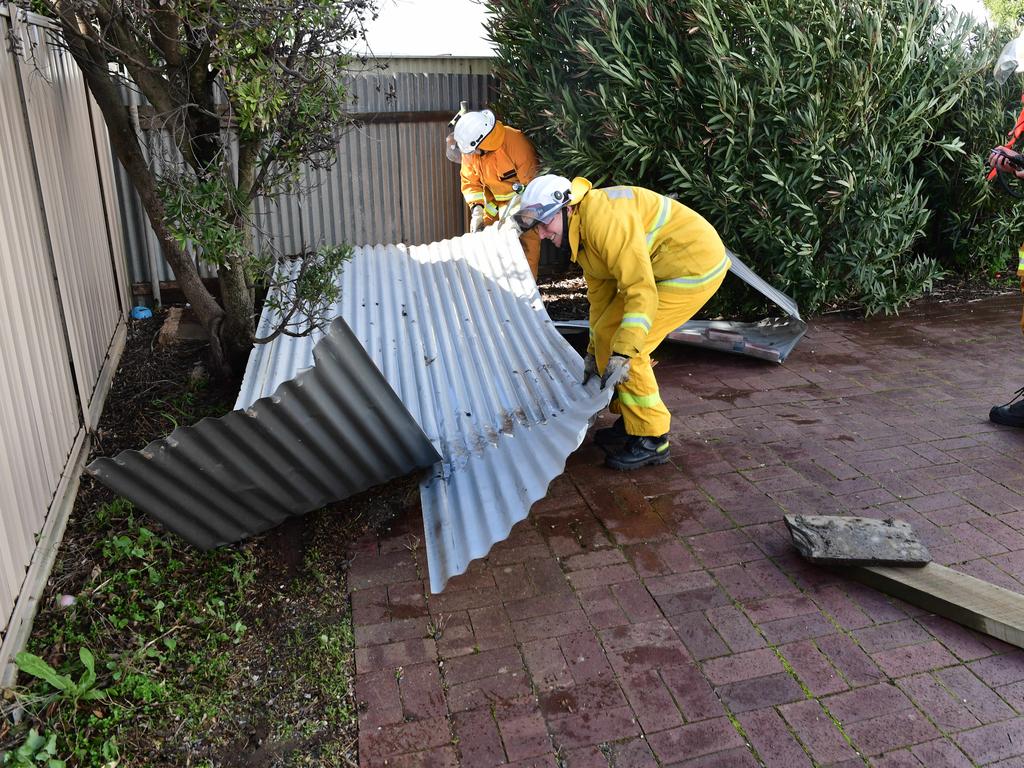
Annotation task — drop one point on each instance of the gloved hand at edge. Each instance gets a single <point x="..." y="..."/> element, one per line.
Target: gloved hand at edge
<point x="616" y="364"/>
<point x="1007" y="161"/>
<point x="476" y="218"/>
<point x="508" y="224"/>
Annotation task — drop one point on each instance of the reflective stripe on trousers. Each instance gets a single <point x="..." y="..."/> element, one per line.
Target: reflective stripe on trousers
<point x="695" y="281"/>
<point x="639" y="400"/>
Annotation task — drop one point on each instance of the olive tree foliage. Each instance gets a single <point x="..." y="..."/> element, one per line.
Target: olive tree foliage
<point x="837" y="146"/>
<point x="248" y="92"/>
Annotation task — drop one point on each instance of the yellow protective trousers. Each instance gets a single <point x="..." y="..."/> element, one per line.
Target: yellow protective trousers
<point x="638" y="400"/>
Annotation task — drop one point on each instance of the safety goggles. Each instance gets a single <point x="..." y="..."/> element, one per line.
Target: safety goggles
<point x="530" y="216"/>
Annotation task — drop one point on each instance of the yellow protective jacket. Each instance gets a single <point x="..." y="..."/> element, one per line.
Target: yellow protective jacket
<point x="487" y="179"/>
<point x="635" y="241"/>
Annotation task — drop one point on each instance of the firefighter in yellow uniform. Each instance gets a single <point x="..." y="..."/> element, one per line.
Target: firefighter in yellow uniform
<point x="1010" y="162"/>
<point x="650" y="264"/>
<point x="494" y="157"/>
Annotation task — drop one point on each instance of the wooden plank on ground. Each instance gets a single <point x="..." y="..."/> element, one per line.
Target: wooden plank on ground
<point x="977" y="604"/>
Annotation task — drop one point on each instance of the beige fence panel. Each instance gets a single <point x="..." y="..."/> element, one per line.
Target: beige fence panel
<point x="60" y="303"/>
<point x="63" y="140"/>
<point x="105" y="165"/>
<point x="38" y="410"/>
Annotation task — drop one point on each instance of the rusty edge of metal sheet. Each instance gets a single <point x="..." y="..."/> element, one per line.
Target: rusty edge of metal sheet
<point x="771" y="339"/>
<point x="331" y="431"/>
<point x="459" y="330"/>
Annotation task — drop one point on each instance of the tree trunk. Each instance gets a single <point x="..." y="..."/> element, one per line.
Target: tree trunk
<point x="125" y="142"/>
<point x="237" y="332"/>
<point x="236" y="286"/>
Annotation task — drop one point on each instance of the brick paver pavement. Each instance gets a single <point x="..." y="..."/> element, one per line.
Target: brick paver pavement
<point x="663" y="618"/>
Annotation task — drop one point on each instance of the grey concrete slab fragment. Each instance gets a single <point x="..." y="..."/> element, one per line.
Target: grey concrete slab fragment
<point x="840" y="540"/>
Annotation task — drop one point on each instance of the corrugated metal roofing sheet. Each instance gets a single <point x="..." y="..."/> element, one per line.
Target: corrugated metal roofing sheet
<point x="449" y="343"/>
<point x="324" y="435"/>
<point x="459" y="330"/>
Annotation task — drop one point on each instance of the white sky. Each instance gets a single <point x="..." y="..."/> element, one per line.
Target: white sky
<point x="455" y="27"/>
<point x="429" y="28"/>
<point x="974" y="7"/>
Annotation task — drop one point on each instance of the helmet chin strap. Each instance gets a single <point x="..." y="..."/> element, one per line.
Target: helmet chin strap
<point x="563" y="249"/>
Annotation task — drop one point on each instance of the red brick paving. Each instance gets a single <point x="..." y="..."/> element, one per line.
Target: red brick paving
<point x="662" y="617"/>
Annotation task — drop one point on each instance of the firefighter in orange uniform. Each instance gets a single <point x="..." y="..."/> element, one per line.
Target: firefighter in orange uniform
<point x="494" y="158"/>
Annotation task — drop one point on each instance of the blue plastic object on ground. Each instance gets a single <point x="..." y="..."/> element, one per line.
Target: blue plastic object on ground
<point x="141" y="313"/>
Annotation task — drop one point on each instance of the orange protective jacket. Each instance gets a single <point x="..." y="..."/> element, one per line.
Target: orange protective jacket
<point x="487" y="179"/>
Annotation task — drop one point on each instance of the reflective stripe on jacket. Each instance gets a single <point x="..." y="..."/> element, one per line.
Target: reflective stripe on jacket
<point x="633" y="240"/>
<point x="487" y="179"/>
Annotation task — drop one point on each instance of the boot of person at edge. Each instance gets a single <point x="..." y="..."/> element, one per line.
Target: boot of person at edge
<point x="639" y="451"/>
<point x="1009" y="415"/>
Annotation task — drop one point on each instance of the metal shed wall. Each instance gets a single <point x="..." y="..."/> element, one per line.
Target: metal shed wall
<point x="448" y="65"/>
<point x="390" y="183"/>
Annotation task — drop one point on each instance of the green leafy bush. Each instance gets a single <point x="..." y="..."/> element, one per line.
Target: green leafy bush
<point x="838" y="147"/>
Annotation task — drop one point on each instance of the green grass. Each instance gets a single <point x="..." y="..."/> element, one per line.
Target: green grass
<point x="177" y="663"/>
<point x="162" y="620"/>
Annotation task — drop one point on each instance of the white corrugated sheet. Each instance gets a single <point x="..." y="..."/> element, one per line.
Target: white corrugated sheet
<point x="459" y="330"/>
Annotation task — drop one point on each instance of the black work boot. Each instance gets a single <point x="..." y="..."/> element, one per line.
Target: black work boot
<point x="1011" y="414"/>
<point x="611" y="438"/>
<point x="639" y="452"/>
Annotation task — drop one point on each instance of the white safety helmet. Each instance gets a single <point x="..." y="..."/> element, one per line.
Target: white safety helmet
<point x="473" y="128"/>
<point x="542" y="199"/>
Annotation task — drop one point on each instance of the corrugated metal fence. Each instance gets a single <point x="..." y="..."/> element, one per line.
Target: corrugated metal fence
<point x="391" y="182"/>
<point x="63" y="296"/>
